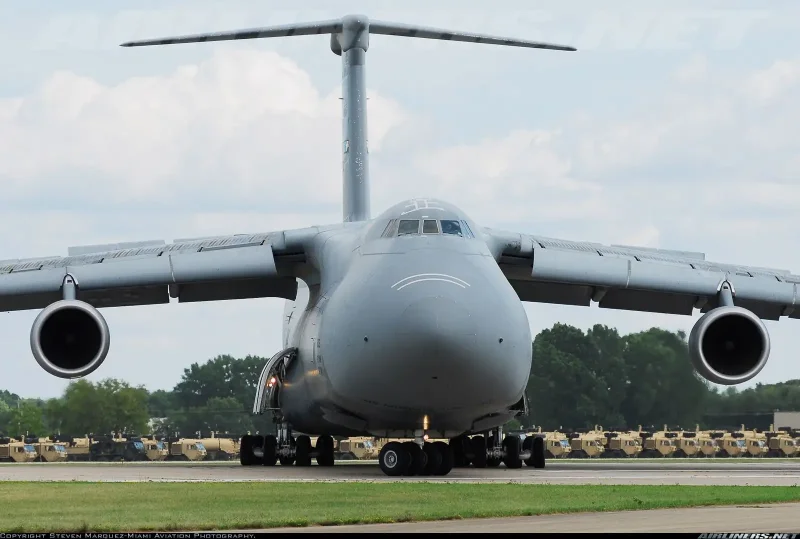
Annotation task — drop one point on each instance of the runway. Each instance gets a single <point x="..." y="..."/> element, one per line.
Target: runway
<point x="673" y="472"/>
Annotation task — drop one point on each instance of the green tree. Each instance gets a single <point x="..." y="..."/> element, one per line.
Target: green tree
<point x="221" y="377"/>
<point x="5" y="417"/>
<point x="26" y="419"/>
<point x="663" y="387"/>
<point x="108" y="406"/>
<point x="160" y="403"/>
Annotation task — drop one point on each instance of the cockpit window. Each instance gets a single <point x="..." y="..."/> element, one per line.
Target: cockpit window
<point x="429" y="226"/>
<point x="408" y="226"/>
<point x="467" y="230"/>
<point x="451" y="227"/>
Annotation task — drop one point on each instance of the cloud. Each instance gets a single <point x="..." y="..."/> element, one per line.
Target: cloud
<point x="244" y="126"/>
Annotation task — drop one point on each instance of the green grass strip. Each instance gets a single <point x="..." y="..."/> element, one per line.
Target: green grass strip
<point x="122" y="507"/>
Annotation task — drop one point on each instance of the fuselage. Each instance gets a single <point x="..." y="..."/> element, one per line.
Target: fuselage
<point x="410" y="327"/>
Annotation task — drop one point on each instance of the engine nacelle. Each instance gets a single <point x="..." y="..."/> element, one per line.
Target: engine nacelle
<point x="70" y="339"/>
<point x="729" y="345"/>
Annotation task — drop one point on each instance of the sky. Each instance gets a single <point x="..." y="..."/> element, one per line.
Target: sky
<point x="673" y="126"/>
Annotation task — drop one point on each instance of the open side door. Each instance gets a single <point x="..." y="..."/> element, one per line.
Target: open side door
<point x="271" y="380"/>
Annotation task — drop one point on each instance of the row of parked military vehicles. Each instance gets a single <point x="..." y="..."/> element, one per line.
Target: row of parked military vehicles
<point x="121" y="447"/>
<point x="671" y="443"/>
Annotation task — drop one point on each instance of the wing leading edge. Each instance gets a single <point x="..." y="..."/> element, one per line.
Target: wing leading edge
<point x="148" y="273"/>
<point x="565" y="272"/>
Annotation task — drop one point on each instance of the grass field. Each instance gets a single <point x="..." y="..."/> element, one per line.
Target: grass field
<point x="31" y="507"/>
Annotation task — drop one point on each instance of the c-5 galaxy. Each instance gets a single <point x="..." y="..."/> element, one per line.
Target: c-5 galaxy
<point x="408" y="325"/>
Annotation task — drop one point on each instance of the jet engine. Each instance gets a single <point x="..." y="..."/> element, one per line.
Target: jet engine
<point x="70" y="339"/>
<point x="729" y="345"/>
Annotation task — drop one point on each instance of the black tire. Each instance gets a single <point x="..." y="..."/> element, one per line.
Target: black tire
<point x="434" y="458"/>
<point x="302" y="455"/>
<point x="512" y="446"/>
<point x="446" y="452"/>
<point x="394" y="459"/>
<point x="418" y="459"/>
<point x="478" y="446"/>
<point x="537" y="452"/>
<point x="270" y="447"/>
<point x="460" y="451"/>
<point x="325" y="450"/>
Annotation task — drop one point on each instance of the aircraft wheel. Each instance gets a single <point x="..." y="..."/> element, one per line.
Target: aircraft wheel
<point x="418" y="459"/>
<point x="434" y="458"/>
<point x="512" y="446"/>
<point x="536" y="446"/>
<point x="446" y="465"/>
<point x="270" y="446"/>
<point x="460" y="450"/>
<point x="246" y="457"/>
<point x="479" y="459"/>
<point x="394" y="459"/>
<point x="303" y="451"/>
<point x="325" y="450"/>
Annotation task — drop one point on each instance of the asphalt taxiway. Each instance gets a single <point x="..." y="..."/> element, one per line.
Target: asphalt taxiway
<point x="764" y="472"/>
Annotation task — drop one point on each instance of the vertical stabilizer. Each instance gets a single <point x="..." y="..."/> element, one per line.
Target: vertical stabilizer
<point x="350" y="40"/>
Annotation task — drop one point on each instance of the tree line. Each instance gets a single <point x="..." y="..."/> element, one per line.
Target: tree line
<point x="578" y="379"/>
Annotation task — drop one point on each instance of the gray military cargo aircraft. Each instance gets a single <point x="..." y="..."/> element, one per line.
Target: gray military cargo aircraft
<point x="407" y="326"/>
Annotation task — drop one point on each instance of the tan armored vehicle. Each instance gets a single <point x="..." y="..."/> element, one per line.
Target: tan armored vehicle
<point x="78" y="449"/>
<point x="708" y="444"/>
<point x="586" y="444"/>
<point x="556" y="444"/>
<point x="732" y="444"/>
<point x="12" y="450"/>
<point x="658" y="444"/>
<point x="47" y="450"/>
<point x="622" y="444"/>
<point x="222" y="448"/>
<point x="357" y="448"/>
<point x="755" y="442"/>
<point x="154" y="449"/>
<point x="688" y="444"/>
<point x="781" y="443"/>
<point x="187" y="449"/>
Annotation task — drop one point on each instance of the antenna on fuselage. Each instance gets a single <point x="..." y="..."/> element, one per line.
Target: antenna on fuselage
<point x="350" y="40"/>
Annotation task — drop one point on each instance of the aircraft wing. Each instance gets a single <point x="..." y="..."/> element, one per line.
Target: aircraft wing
<point x="566" y="272"/>
<point x="150" y="272"/>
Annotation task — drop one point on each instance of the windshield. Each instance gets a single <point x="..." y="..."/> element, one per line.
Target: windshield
<point x="200" y="446"/>
<point x="29" y="448"/>
<point x="564" y="443"/>
<point x="138" y="445"/>
<point x="740" y="443"/>
<point x="60" y="448"/>
<point x="161" y="445"/>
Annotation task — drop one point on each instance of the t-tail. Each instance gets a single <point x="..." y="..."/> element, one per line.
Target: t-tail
<point x="350" y="40"/>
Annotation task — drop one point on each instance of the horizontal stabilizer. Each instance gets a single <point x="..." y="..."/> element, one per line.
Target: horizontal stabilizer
<point x="301" y="29"/>
<point x="91" y="249"/>
<point x="349" y="23"/>
<point x="423" y="32"/>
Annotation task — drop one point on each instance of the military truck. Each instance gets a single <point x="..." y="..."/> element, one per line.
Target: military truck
<point x="687" y="444"/>
<point x="220" y="448"/>
<point x="755" y="443"/>
<point x="46" y="449"/>
<point x="586" y="444"/>
<point x="620" y="444"/>
<point x="556" y="444"/>
<point x="356" y="448"/>
<point x="732" y="444"/>
<point x="658" y="444"/>
<point x="78" y="449"/>
<point x="12" y="450"/>
<point x="781" y="443"/>
<point x="154" y="449"/>
<point x="186" y="449"/>
<point x="115" y="449"/>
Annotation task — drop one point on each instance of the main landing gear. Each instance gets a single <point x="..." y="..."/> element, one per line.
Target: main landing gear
<point x="285" y="448"/>
<point x="439" y="458"/>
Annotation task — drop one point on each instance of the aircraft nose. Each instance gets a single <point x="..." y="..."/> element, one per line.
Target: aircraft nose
<point x="438" y="346"/>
